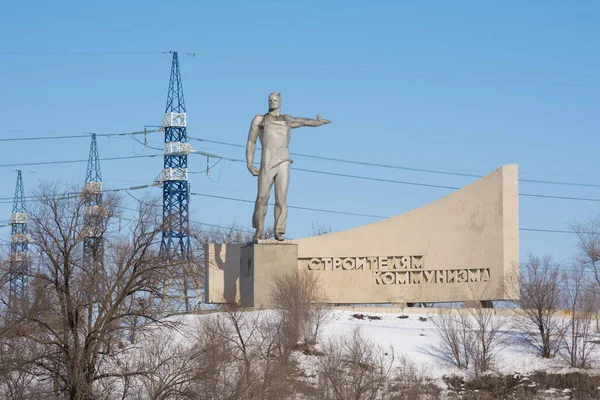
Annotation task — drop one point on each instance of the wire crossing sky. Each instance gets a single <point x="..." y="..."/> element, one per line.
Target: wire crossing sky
<point x="370" y="164"/>
<point x="424" y="99"/>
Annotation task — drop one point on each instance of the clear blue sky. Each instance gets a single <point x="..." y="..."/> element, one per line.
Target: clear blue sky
<point x="463" y="86"/>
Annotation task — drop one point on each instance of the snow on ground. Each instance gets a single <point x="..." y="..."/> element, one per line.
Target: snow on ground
<point x="410" y="338"/>
<point x="413" y="336"/>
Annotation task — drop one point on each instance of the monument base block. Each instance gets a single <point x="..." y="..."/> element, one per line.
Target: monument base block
<point x="260" y="262"/>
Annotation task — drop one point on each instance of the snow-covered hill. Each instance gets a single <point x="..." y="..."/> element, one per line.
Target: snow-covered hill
<point x="410" y="339"/>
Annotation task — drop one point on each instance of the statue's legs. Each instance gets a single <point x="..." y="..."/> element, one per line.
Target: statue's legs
<point x="266" y="178"/>
<point x="282" y="181"/>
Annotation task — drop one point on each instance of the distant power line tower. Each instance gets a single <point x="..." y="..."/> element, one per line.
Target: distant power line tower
<point x="93" y="218"/>
<point x="19" y="253"/>
<point x="175" y="242"/>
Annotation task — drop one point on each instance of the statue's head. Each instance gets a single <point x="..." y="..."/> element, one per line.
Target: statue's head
<point x="274" y="101"/>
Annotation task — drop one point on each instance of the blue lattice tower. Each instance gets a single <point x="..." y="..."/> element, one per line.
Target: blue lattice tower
<point x="175" y="242"/>
<point x="94" y="217"/>
<point x="19" y="254"/>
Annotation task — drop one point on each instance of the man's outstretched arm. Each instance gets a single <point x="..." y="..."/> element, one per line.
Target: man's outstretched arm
<point x="251" y="144"/>
<point x="297" y="122"/>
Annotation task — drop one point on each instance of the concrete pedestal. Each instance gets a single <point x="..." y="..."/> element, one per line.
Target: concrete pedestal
<point x="260" y="262"/>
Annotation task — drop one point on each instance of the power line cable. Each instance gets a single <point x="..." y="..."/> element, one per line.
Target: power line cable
<point x="374" y="179"/>
<point x="546" y="230"/>
<point x="368" y="178"/>
<point x="361" y="215"/>
<point x="71" y="194"/>
<point x="559" y="197"/>
<point x="9" y="200"/>
<point x="319" y="172"/>
<point x="323" y="158"/>
<point x="512" y="73"/>
<point x="77" y="161"/>
<point x="535" y="195"/>
<point x="346" y="161"/>
<point x="82" y="53"/>
<point x="405" y="168"/>
<point x="290" y="206"/>
<point x="545" y="196"/>
<point x="378" y="68"/>
<point x="76" y="136"/>
<point x="34" y="172"/>
<point x="587" y="199"/>
<point x="191" y="221"/>
<point x="137" y="187"/>
<point x="406" y="72"/>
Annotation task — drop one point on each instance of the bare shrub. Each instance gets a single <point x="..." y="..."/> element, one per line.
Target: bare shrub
<point x="297" y="298"/>
<point x="541" y="298"/>
<point x="177" y="367"/>
<point x="489" y="340"/>
<point x="455" y="339"/>
<point x="581" y="302"/>
<point x="218" y="369"/>
<point x="353" y="367"/>
<point x="319" y="315"/>
<point x="411" y="381"/>
<point x="240" y="356"/>
<point x="469" y="339"/>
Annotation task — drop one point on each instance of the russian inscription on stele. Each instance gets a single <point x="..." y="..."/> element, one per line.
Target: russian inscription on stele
<point x="397" y="270"/>
<point x="360" y="263"/>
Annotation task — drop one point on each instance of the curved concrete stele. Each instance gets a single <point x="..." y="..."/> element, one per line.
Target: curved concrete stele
<point x="475" y="229"/>
<point x="462" y="247"/>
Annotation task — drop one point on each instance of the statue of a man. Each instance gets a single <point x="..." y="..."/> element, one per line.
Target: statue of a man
<point x="274" y="131"/>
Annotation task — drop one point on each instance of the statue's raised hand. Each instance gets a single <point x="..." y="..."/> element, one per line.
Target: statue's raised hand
<point x="322" y="121"/>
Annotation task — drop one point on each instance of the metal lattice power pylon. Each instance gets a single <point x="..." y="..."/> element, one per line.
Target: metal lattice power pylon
<point x="19" y="254"/>
<point x="175" y="242"/>
<point x="94" y="215"/>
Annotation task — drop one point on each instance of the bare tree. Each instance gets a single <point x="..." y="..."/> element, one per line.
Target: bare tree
<point x="243" y="357"/>
<point x="588" y="243"/>
<point x="354" y="368"/>
<point x="188" y="365"/>
<point x="299" y="301"/>
<point x="319" y="316"/>
<point x="469" y="339"/>
<point x="541" y="299"/>
<point x="489" y="339"/>
<point x="80" y="318"/>
<point x="455" y="339"/>
<point x="218" y="372"/>
<point x="582" y="302"/>
<point x="172" y="366"/>
<point x="411" y="381"/>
